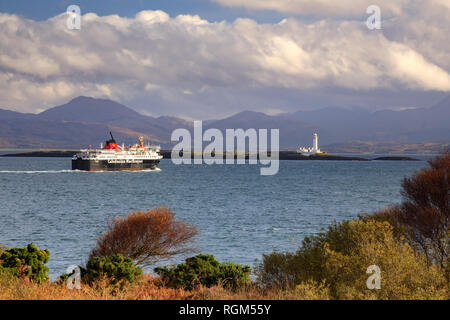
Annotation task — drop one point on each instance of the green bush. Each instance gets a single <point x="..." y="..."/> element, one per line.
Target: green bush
<point x="26" y="262"/>
<point x="117" y="268"/>
<point x="204" y="270"/>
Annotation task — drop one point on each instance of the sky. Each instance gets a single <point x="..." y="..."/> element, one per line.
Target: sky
<point x="208" y="59"/>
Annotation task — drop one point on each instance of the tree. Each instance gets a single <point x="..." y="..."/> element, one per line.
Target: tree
<point x="423" y="215"/>
<point x="425" y="210"/>
<point x="145" y="237"/>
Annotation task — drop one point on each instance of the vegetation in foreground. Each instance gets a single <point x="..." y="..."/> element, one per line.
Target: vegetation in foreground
<point x="409" y="243"/>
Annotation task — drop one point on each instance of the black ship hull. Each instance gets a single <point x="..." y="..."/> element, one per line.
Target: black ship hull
<point x="105" y="165"/>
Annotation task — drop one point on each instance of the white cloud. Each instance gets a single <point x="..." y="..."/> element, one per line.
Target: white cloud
<point x="323" y="8"/>
<point x="425" y="28"/>
<point x="417" y="71"/>
<point x="152" y="17"/>
<point x="186" y="63"/>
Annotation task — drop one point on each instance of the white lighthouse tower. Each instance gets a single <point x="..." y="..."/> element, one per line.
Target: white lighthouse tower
<point x="311" y="151"/>
<point x="316" y="143"/>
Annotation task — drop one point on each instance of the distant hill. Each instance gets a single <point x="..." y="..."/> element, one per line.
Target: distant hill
<point x="8" y="114"/>
<point x="87" y="121"/>
<point x="85" y="109"/>
<point x="407" y="126"/>
<point x="292" y="131"/>
<point x="120" y="118"/>
<point x="42" y="133"/>
<point x="336" y="125"/>
<point x="387" y="147"/>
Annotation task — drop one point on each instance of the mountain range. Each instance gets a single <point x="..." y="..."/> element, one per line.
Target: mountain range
<point x="81" y="122"/>
<point x="87" y="121"/>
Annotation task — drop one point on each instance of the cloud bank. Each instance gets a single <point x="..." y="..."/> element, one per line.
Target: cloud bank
<point x="187" y="66"/>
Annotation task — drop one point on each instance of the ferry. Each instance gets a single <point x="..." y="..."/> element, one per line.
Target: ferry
<point x="113" y="157"/>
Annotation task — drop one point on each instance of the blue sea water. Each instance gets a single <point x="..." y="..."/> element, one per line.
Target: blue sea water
<point x="239" y="213"/>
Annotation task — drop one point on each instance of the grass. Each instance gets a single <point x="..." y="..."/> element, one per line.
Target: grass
<point x="147" y="288"/>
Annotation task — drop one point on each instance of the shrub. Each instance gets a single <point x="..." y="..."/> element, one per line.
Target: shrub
<point x="339" y="258"/>
<point x="310" y="290"/>
<point x="425" y="210"/>
<point x="388" y="215"/>
<point x="286" y="269"/>
<point x="281" y="269"/>
<point x="424" y="215"/>
<point x="404" y="274"/>
<point x="204" y="270"/>
<point x="409" y="242"/>
<point x="115" y="268"/>
<point x="26" y="262"/>
<point x="145" y="237"/>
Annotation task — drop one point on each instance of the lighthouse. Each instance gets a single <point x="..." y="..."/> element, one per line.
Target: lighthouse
<point x="311" y="151"/>
<point x="316" y="143"/>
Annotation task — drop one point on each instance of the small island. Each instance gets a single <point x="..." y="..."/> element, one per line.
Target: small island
<point x="395" y="158"/>
<point x="303" y="153"/>
<point x="283" y="155"/>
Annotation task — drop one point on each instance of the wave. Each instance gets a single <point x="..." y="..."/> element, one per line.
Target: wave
<point x="154" y="170"/>
<point x="35" y="172"/>
<point x="121" y="171"/>
<point x="70" y="171"/>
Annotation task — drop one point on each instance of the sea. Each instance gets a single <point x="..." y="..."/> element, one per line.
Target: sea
<point x="240" y="215"/>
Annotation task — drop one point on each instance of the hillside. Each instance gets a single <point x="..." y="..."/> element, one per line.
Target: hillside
<point x="407" y="126"/>
<point x="336" y="125"/>
<point x="87" y="121"/>
<point x="81" y="122"/>
<point x="292" y="131"/>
